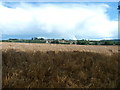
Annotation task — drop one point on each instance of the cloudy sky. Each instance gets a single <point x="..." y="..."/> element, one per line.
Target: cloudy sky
<point x="59" y="20"/>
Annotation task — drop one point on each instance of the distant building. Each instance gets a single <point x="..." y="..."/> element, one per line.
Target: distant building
<point x="61" y="41"/>
<point x="49" y="40"/>
<point x="73" y="42"/>
<point x="91" y="43"/>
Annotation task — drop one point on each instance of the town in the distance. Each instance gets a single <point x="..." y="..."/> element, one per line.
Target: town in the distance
<point x="65" y="41"/>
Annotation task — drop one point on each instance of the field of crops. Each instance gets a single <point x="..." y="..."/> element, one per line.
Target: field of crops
<point x="59" y="66"/>
<point x="57" y="47"/>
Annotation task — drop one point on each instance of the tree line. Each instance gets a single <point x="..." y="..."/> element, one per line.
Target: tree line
<point x="63" y="41"/>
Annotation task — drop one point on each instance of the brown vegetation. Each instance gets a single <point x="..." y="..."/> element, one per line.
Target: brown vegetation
<point x="62" y="69"/>
<point x="58" y="47"/>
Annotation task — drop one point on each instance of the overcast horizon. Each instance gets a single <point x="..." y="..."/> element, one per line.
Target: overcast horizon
<point x="59" y="20"/>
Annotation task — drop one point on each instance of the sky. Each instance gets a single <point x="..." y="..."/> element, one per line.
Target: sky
<point x="89" y="20"/>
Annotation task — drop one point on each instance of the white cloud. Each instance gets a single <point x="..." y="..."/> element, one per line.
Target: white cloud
<point x="60" y="21"/>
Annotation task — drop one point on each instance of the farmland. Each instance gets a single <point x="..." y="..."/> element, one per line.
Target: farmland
<point x="59" y="47"/>
<point x="27" y="65"/>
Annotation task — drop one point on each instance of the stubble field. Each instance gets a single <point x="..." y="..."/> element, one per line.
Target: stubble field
<point x="59" y="66"/>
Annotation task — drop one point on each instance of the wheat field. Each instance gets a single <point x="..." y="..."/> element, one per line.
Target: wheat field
<point x="27" y="65"/>
<point x="58" y="47"/>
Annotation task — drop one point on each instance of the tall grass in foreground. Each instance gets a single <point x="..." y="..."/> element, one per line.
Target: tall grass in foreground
<point x="59" y="70"/>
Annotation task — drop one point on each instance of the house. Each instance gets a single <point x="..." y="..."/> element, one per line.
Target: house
<point x="73" y="42"/>
<point x="49" y="40"/>
<point x="61" y="41"/>
<point x="91" y="43"/>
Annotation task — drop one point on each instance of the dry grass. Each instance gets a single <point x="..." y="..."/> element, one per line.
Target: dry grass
<point x="63" y="69"/>
<point x="57" y="47"/>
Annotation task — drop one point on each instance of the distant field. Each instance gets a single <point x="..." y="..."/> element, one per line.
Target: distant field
<point x="57" y="47"/>
<point x="59" y="66"/>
